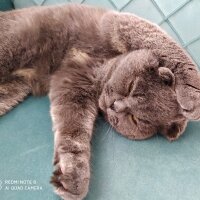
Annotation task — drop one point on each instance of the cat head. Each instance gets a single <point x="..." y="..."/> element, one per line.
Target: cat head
<point x="139" y="98"/>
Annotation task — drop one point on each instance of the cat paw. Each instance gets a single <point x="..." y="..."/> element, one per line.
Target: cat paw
<point x="188" y="92"/>
<point x="188" y="97"/>
<point x="71" y="179"/>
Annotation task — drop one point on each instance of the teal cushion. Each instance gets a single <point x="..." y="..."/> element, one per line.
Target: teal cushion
<point x="6" y="5"/>
<point x="153" y="169"/>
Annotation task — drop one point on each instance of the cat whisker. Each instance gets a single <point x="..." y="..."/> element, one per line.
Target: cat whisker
<point x="107" y="132"/>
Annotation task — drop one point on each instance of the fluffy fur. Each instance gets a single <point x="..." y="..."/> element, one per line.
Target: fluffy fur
<point x="91" y="59"/>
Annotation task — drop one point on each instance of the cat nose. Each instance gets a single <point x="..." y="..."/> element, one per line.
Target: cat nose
<point x="118" y="106"/>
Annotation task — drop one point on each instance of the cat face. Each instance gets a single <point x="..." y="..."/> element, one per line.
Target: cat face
<point x="139" y="99"/>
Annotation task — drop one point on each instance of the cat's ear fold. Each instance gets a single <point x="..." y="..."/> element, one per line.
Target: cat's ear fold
<point x="173" y="130"/>
<point x="166" y="75"/>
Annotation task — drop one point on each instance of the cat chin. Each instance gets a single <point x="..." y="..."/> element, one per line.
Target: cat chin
<point x="120" y="123"/>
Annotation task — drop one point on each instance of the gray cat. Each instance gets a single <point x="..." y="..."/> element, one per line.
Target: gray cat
<point x="89" y="59"/>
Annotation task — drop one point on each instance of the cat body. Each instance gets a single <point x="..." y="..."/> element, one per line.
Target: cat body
<point x="89" y="59"/>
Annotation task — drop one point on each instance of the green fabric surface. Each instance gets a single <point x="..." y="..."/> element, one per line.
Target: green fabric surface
<point x="153" y="169"/>
<point x="6" y="5"/>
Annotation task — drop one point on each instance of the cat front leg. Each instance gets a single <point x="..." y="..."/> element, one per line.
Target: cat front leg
<point x="73" y="111"/>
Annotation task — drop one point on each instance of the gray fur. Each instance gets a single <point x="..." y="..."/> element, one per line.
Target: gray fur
<point x="89" y="59"/>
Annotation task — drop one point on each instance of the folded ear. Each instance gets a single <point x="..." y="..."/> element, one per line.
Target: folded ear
<point x="173" y="130"/>
<point x="166" y="75"/>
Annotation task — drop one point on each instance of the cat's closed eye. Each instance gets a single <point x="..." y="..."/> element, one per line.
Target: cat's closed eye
<point x="130" y="86"/>
<point x="134" y="119"/>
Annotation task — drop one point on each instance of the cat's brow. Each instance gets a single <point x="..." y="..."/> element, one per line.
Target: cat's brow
<point x="144" y="121"/>
<point x="137" y="94"/>
<point x="134" y="84"/>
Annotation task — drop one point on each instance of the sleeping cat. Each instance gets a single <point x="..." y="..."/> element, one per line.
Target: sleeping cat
<point x="89" y="59"/>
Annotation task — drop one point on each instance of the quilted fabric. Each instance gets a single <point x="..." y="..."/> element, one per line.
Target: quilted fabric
<point x="153" y="169"/>
<point x="6" y="5"/>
